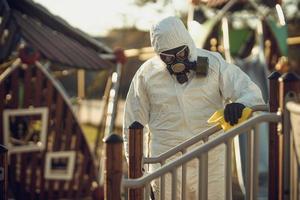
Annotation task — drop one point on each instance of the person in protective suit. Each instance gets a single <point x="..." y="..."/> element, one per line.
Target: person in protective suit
<point x="175" y="92"/>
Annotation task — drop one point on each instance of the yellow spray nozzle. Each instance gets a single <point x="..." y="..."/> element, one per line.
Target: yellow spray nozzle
<point x="218" y="117"/>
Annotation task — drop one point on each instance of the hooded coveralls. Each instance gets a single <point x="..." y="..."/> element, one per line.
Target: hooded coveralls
<point x="174" y="112"/>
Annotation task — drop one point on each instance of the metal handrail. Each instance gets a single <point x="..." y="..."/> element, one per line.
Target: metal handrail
<point x="241" y="128"/>
<point x="184" y="145"/>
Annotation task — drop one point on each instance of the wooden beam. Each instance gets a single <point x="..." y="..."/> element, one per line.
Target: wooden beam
<point x="81" y="84"/>
<point x="293" y="40"/>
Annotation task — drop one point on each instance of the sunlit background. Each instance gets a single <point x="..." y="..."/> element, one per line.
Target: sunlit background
<point x="98" y="17"/>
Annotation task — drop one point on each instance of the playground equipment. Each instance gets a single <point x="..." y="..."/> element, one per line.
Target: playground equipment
<point x="282" y="152"/>
<point x="48" y="156"/>
<point x="48" y="153"/>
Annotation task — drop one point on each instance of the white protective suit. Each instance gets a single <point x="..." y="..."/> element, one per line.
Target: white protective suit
<point x="174" y="112"/>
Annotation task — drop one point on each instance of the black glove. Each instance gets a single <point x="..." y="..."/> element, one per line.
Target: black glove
<point x="233" y="112"/>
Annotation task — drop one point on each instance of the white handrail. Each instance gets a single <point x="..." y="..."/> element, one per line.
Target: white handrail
<point x="225" y="137"/>
<point x="201" y="136"/>
<point x="184" y="145"/>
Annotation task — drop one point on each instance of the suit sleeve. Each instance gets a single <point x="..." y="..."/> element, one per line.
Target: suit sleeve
<point x="136" y="107"/>
<point x="236" y="86"/>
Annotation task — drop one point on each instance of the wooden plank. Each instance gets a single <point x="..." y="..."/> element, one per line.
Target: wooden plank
<point x="66" y="147"/>
<point x="49" y="94"/>
<point x="90" y="176"/>
<point x="38" y="88"/>
<point x="76" y="134"/>
<point x="83" y="165"/>
<point x="25" y="157"/>
<point x="13" y="103"/>
<point x="62" y="146"/>
<point x="36" y="156"/>
<point x="69" y="130"/>
<point x="14" y="89"/>
<point x="56" y="138"/>
<point x="58" y="123"/>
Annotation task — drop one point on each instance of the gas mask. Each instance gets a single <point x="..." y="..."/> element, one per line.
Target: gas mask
<point x="178" y="64"/>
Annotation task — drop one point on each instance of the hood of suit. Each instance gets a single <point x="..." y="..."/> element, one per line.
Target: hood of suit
<point x="170" y="33"/>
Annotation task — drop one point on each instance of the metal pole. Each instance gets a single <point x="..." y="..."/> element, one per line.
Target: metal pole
<point x="147" y="191"/>
<point x="162" y="183"/>
<point x="174" y="184"/>
<point x="255" y="161"/>
<point x="183" y="182"/>
<point x="249" y="166"/>
<point x="203" y="176"/>
<point x="228" y="168"/>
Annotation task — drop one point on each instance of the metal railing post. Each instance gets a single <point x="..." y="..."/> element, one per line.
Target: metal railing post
<point x="273" y="137"/>
<point x="113" y="167"/>
<point x="3" y="173"/>
<point x="228" y="169"/>
<point x="203" y="176"/>
<point x="162" y="183"/>
<point x="249" y="166"/>
<point x="288" y="82"/>
<point x="174" y="184"/>
<point x="255" y="187"/>
<point x="135" y="158"/>
<point x="294" y="110"/>
<point x="183" y="177"/>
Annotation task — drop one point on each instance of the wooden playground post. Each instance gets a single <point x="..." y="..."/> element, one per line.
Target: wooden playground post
<point x="289" y="84"/>
<point x="113" y="167"/>
<point x="273" y="189"/>
<point x="135" y="158"/>
<point x="3" y="173"/>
